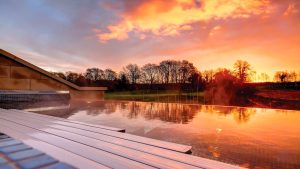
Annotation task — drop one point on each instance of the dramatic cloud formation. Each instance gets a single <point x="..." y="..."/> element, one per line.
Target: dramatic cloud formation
<point x="168" y="18"/>
<point x="75" y="34"/>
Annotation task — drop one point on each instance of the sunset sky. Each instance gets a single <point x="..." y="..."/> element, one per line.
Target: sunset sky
<point x="76" y="34"/>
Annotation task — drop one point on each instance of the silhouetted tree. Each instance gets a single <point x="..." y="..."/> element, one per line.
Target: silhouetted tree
<point x="94" y="74"/>
<point x="285" y="76"/>
<point x="186" y="70"/>
<point x="133" y="73"/>
<point x="196" y="80"/>
<point x="292" y="76"/>
<point x="165" y="70"/>
<point x="122" y="81"/>
<point x="150" y="72"/>
<point x="174" y="71"/>
<point x="242" y="70"/>
<point x="80" y="80"/>
<point x="109" y="74"/>
<point x="281" y="76"/>
<point x="71" y="76"/>
<point x="177" y="74"/>
<point x="264" y="77"/>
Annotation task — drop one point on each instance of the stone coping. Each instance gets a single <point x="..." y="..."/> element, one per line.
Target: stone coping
<point x="32" y="92"/>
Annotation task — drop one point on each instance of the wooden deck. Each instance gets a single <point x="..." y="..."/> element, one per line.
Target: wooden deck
<point x="92" y="146"/>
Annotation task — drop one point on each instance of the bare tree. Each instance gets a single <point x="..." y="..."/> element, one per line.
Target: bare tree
<point x="165" y="70"/>
<point x="109" y="74"/>
<point x="285" y="76"/>
<point x="72" y="76"/>
<point x="242" y="70"/>
<point x="281" y="76"/>
<point x="264" y="77"/>
<point x="133" y="72"/>
<point x="94" y="74"/>
<point x="174" y="71"/>
<point x="150" y="72"/>
<point x="292" y="76"/>
<point x="186" y="70"/>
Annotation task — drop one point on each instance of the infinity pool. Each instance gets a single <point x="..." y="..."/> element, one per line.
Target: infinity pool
<point x="249" y="137"/>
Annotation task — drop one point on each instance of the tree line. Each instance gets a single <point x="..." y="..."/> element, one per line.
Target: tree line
<point x="171" y="72"/>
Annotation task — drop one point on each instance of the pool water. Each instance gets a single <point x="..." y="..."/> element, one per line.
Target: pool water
<point x="249" y="137"/>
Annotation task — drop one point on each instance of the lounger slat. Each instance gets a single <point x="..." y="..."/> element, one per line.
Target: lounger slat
<point x="130" y="154"/>
<point x="105" y="147"/>
<point x="102" y="157"/>
<point x="139" y="139"/>
<point x="58" y="153"/>
<point x="192" y="160"/>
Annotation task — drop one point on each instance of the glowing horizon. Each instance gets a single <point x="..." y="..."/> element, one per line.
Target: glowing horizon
<point x="62" y="36"/>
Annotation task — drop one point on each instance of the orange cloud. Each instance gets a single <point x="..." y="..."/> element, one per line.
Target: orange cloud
<point x="169" y="18"/>
<point x="291" y="9"/>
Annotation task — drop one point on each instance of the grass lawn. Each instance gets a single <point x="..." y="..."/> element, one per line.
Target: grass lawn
<point x="161" y="96"/>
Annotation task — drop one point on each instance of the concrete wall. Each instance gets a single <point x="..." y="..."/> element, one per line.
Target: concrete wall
<point x="16" y="76"/>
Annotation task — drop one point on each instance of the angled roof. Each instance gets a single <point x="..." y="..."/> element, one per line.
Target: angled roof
<point x="46" y="73"/>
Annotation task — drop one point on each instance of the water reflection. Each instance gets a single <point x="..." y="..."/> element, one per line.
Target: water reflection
<point x="175" y="113"/>
<point x="168" y="112"/>
<point x="250" y="137"/>
<point x="240" y="114"/>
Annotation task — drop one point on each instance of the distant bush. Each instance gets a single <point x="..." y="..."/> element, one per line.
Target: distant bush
<point x="226" y="89"/>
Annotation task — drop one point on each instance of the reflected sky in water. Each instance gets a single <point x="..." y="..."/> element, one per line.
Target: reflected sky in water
<point x="249" y="137"/>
